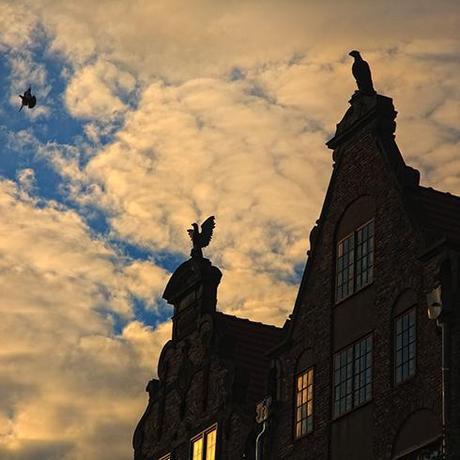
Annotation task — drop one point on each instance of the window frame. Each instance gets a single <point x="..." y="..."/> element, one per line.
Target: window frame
<point x="353" y="234"/>
<point x="353" y="386"/>
<point x="296" y="407"/>
<point x="204" y="436"/>
<point x="395" y="319"/>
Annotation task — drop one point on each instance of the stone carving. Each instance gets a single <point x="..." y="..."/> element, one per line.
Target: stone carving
<point x="184" y="379"/>
<point x="220" y="387"/>
<point x="184" y="376"/>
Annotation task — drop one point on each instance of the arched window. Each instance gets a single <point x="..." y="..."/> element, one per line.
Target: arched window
<point x="355" y="248"/>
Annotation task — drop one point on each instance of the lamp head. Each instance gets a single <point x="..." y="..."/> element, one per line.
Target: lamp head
<point x="434" y="301"/>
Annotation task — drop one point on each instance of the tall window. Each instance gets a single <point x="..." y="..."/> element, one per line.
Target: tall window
<point x="304" y="404"/>
<point x="355" y="261"/>
<point x="353" y="376"/>
<point x="405" y="346"/>
<point x="204" y="445"/>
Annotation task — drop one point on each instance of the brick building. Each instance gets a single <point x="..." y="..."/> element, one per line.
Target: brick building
<point x="356" y="372"/>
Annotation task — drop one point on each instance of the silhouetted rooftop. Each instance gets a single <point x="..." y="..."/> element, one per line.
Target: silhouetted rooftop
<point x="438" y="212"/>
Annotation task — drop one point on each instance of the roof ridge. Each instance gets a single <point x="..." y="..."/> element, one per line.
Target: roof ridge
<point x="247" y="320"/>
<point x="431" y="189"/>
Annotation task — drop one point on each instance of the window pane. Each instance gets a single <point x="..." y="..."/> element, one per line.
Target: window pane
<point x="304" y="404"/>
<point x="364" y="255"/>
<point x="362" y="371"/>
<point x="343" y="381"/>
<point x="405" y="346"/>
<point x="345" y="268"/>
<point x="211" y="445"/>
<point x="353" y="376"/>
<point x="198" y="449"/>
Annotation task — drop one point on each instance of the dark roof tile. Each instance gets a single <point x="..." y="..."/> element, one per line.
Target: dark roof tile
<point x="439" y="212"/>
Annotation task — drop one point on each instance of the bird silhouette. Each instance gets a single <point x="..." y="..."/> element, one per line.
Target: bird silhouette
<point x="362" y="73"/>
<point x="203" y="238"/>
<point x="28" y="99"/>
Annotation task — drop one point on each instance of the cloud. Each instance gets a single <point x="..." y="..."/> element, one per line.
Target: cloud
<point x="178" y="42"/>
<point x="213" y="147"/>
<point x="96" y="91"/>
<point x="251" y="152"/>
<point x="26" y="180"/>
<point x="70" y="389"/>
<point x="16" y="26"/>
<point x="218" y="108"/>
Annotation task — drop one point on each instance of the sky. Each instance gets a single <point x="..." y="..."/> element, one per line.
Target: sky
<point x="152" y="115"/>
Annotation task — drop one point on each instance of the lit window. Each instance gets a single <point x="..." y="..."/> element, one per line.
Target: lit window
<point x="204" y="445"/>
<point x="355" y="261"/>
<point x="198" y="449"/>
<point x="405" y="346"/>
<point x="211" y="445"/>
<point x="353" y="376"/>
<point x="304" y="404"/>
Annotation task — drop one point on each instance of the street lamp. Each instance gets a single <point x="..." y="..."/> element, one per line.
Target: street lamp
<point x="435" y="309"/>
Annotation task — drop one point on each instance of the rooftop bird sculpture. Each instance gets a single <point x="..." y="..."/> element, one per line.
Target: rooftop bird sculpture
<point x="27" y="99"/>
<point x="362" y="74"/>
<point x="201" y="239"/>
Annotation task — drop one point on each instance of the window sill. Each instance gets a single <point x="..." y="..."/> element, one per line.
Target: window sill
<point x="403" y="382"/>
<point x="306" y="435"/>
<point x="341" y="301"/>
<point x="338" y="417"/>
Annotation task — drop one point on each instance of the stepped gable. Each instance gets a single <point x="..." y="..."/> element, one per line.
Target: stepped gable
<point x="438" y="212"/>
<point x="251" y="341"/>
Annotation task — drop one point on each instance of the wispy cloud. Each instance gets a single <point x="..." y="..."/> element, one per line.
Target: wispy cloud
<point x="222" y="108"/>
<point x="55" y="279"/>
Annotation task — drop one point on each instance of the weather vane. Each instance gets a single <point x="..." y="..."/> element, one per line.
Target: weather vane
<point x="201" y="239"/>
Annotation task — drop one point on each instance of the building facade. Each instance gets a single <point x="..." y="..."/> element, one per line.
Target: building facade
<point x="359" y="371"/>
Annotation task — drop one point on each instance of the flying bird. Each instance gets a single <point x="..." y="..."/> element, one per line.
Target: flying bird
<point x="201" y="239"/>
<point x="362" y="73"/>
<point x="27" y="99"/>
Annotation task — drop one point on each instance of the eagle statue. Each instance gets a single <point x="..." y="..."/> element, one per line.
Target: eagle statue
<point x="201" y="239"/>
<point x="362" y="73"/>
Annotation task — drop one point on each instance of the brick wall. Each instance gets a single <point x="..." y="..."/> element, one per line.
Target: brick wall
<point x="362" y="168"/>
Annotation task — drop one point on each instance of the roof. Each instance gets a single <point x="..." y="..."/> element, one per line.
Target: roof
<point x="252" y="341"/>
<point x="438" y="213"/>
